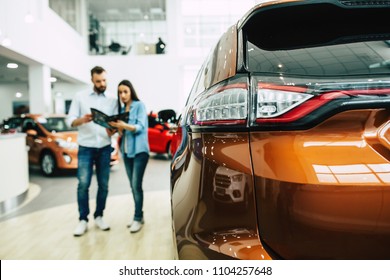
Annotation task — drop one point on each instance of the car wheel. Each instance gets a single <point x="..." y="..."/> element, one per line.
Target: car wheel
<point x="48" y="164"/>
<point x="169" y="153"/>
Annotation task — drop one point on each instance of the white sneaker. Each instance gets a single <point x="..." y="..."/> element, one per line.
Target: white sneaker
<point x="131" y="222"/>
<point x="81" y="228"/>
<point x="99" y="222"/>
<point x="136" y="226"/>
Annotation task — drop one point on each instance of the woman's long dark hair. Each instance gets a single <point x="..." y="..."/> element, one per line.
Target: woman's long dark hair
<point x="133" y="93"/>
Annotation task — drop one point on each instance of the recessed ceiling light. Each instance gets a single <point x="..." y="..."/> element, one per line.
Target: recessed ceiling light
<point x="29" y="18"/>
<point x="53" y="79"/>
<point x="112" y="11"/>
<point x="134" y="11"/>
<point x="6" y="42"/>
<point x="156" y="11"/>
<point x="12" y="65"/>
<point x="18" y="95"/>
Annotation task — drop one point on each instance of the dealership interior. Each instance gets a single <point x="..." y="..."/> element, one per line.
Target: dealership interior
<point x="47" y="49"/>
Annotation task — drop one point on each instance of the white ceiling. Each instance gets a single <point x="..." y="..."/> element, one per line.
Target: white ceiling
<point x="17" y="75"/>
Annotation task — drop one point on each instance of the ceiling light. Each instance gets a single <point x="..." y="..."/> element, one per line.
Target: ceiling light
<point x="6" y="42"/>
<point x="18" y="95"/>
<point x="113" y="11"/>
<point x="12" y="65"/>
<point x="134" y="11"/>
<point x="156" y="11"/>
<point x="53" y="79"/>
<point x="29" y="18"/>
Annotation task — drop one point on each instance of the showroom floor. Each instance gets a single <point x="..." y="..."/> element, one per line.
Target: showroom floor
<point x="41" y="228"/>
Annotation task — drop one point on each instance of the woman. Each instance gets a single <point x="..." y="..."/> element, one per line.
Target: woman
<point x="134" y="145"/>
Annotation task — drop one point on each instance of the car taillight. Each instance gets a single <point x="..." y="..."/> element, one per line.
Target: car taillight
<point x="224" y="104"/>
<point x="284" y="104"/>
<point x="275" y="101"/>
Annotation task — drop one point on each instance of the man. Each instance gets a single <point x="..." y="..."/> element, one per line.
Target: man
<point x="94" y="148"/>
<point x="160" y="46"/>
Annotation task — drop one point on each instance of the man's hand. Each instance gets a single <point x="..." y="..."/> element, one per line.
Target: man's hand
<point x="87" y="118"/>
<point x="111" y="131"/>
<point x="84" y="119"/>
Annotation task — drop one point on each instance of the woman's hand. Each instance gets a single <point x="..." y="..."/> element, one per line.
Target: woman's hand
<point x="120" y="125"/>
<point x="111" y="131"/>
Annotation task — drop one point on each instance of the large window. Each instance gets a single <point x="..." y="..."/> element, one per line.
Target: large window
<point x="127" y="26"/>
<point x="203" y="22"/>
<point x="69" y="11"/>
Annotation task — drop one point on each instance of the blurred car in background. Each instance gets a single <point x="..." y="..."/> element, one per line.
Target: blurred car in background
<point x="295" y="122"/>
<point x="160" y="132"/>
<point x="52" y="143"/>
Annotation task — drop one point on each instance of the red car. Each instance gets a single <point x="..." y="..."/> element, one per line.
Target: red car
<point x="160" y="131"/>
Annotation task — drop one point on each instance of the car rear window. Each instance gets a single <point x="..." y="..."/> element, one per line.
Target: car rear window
<point x="318" y="40"/>
<point x="355" y="59"/>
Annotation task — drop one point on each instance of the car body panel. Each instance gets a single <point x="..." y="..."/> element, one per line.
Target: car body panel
<point x="302" y="124"/>
<point x="325" y="189"/>
<point x="196" y="209"/>
<point x="40" y="143"/>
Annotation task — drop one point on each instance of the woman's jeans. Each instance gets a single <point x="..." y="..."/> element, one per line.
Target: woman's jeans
<point x="87" y="158"/>
<point x="135" y="168"/>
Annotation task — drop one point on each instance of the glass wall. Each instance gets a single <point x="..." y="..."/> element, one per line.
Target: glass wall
<point x="124" y="27"/>
<point x="204" y="21"/>
<point x="69" y="11"/>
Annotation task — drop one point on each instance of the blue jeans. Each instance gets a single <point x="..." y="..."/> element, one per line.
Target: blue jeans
<point x="135" y="169"/>
<point x="87" y="158"/>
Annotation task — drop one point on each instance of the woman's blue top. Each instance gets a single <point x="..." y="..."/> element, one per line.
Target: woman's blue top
<point x="135" y="142"/>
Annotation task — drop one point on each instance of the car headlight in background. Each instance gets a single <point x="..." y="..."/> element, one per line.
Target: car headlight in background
<point x="66" y="144"/>
<point x="67" y="158"/>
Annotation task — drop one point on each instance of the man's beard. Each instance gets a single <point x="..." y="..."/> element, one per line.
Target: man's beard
<point x="100" y="89"/>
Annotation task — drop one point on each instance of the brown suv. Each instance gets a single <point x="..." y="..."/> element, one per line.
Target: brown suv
<point x="284" y="144"/>
<point x="52" y="144"/>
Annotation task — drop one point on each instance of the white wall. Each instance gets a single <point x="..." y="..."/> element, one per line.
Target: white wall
<point x="47" y="40"/>
<point x="7" y="93"/>
<point x="162" y="81"/>
<point x="60" y="91"/>
<point x="158" y="80"/>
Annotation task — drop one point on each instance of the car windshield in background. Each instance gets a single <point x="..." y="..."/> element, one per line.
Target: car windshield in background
<point x="57" y="124"/>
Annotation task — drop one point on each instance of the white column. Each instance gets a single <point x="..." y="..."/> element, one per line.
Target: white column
<point x="39" y="88"/>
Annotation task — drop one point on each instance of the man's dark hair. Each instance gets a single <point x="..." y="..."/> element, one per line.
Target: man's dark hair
<point x="97" y="70"/>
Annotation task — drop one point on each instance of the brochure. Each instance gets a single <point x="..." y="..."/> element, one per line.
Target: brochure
<point x="102" y="119"/>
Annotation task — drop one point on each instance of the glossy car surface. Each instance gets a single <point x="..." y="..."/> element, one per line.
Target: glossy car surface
<point x="160" y="131"/>
<point x="52" y="144"/>
<point x="284" y="143"/>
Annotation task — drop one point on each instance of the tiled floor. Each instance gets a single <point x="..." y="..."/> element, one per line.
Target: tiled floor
<point x="42" y="228"/>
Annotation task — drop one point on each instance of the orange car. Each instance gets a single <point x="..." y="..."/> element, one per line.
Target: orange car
<point x="52" y="144"/>
<point x="283" y="148"/>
